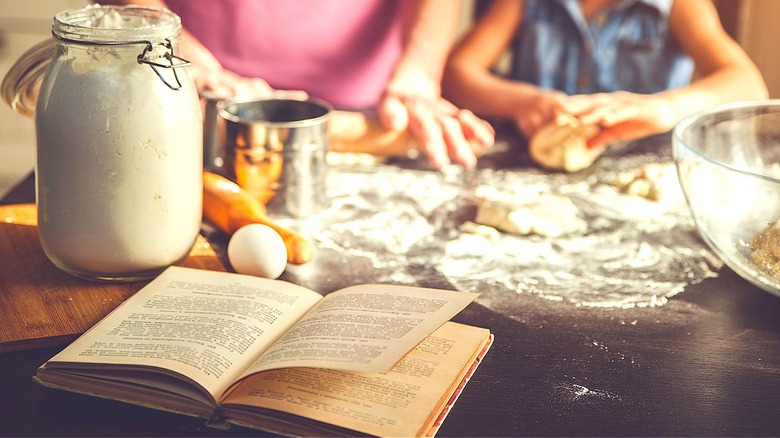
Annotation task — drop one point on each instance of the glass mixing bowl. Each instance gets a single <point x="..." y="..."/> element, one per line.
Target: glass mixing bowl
<point x="728" y="163"/>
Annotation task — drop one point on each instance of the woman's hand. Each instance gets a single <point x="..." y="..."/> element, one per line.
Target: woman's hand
<point x="444" y="131"/>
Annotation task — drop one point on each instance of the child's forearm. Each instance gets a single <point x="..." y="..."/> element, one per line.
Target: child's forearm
<point x="735" y="83"/>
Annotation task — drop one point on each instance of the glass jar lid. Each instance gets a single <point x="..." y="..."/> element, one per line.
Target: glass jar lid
<point x="20" y="85"/>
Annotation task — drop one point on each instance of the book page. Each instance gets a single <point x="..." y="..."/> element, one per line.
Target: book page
<point x="206" y="325"/>
<point x="406" y="401"/>
<point x="365" y="328"/>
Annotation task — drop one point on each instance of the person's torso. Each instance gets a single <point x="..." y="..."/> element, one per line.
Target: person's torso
<point x="342" y="51"/>
<point x="628" y="47"/>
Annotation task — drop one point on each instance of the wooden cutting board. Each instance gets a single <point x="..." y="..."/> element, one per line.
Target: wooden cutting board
<point x="42" y="306"/>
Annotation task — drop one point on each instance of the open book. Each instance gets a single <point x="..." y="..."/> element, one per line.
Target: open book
<point x="371" y="359"/>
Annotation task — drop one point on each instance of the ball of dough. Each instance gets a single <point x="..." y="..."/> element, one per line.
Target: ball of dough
<point x="543" y="214"/>
<point x="257" y="249"/>
<point x="562" y="145"/>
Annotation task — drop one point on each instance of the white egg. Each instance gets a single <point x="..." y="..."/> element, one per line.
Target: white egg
<point x="257" y="249"/>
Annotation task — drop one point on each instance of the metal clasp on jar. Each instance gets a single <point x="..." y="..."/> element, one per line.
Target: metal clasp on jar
<point x="147" y="57"/>
<point x="171" y="61"/>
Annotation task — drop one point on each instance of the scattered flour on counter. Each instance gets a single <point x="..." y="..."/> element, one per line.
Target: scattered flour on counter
<point x="578" y="392"/>
<point x="634" y="252"/>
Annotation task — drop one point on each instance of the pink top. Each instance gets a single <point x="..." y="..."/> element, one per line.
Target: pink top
<point x="342" y="51"/>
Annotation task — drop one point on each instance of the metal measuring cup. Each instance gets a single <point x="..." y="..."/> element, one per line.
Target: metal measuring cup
<point x="274" y="148"/>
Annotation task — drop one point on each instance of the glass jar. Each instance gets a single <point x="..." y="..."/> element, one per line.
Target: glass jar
<point x="119" y="145"/>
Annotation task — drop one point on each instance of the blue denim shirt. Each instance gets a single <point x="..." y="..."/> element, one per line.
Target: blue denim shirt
<point x="628" y="47"/>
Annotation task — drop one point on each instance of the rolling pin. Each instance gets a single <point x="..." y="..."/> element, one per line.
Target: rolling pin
<point x="355" y="132"/>
<point x="359" y="133"/>
<point x="229" y="207"/>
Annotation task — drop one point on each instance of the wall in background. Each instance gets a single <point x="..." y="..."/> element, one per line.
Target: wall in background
<point x="758" y="31"/>
<point x="22" y="25"/>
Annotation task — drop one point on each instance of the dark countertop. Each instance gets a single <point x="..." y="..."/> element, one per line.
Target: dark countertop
<point x="700" y="359"/>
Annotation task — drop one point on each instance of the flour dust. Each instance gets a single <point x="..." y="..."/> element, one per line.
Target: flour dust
<point x="405" y="223"/>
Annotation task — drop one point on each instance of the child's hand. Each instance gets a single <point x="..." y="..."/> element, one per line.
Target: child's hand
<point x="621" y="115"/>
<point x="541" y="109"/>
